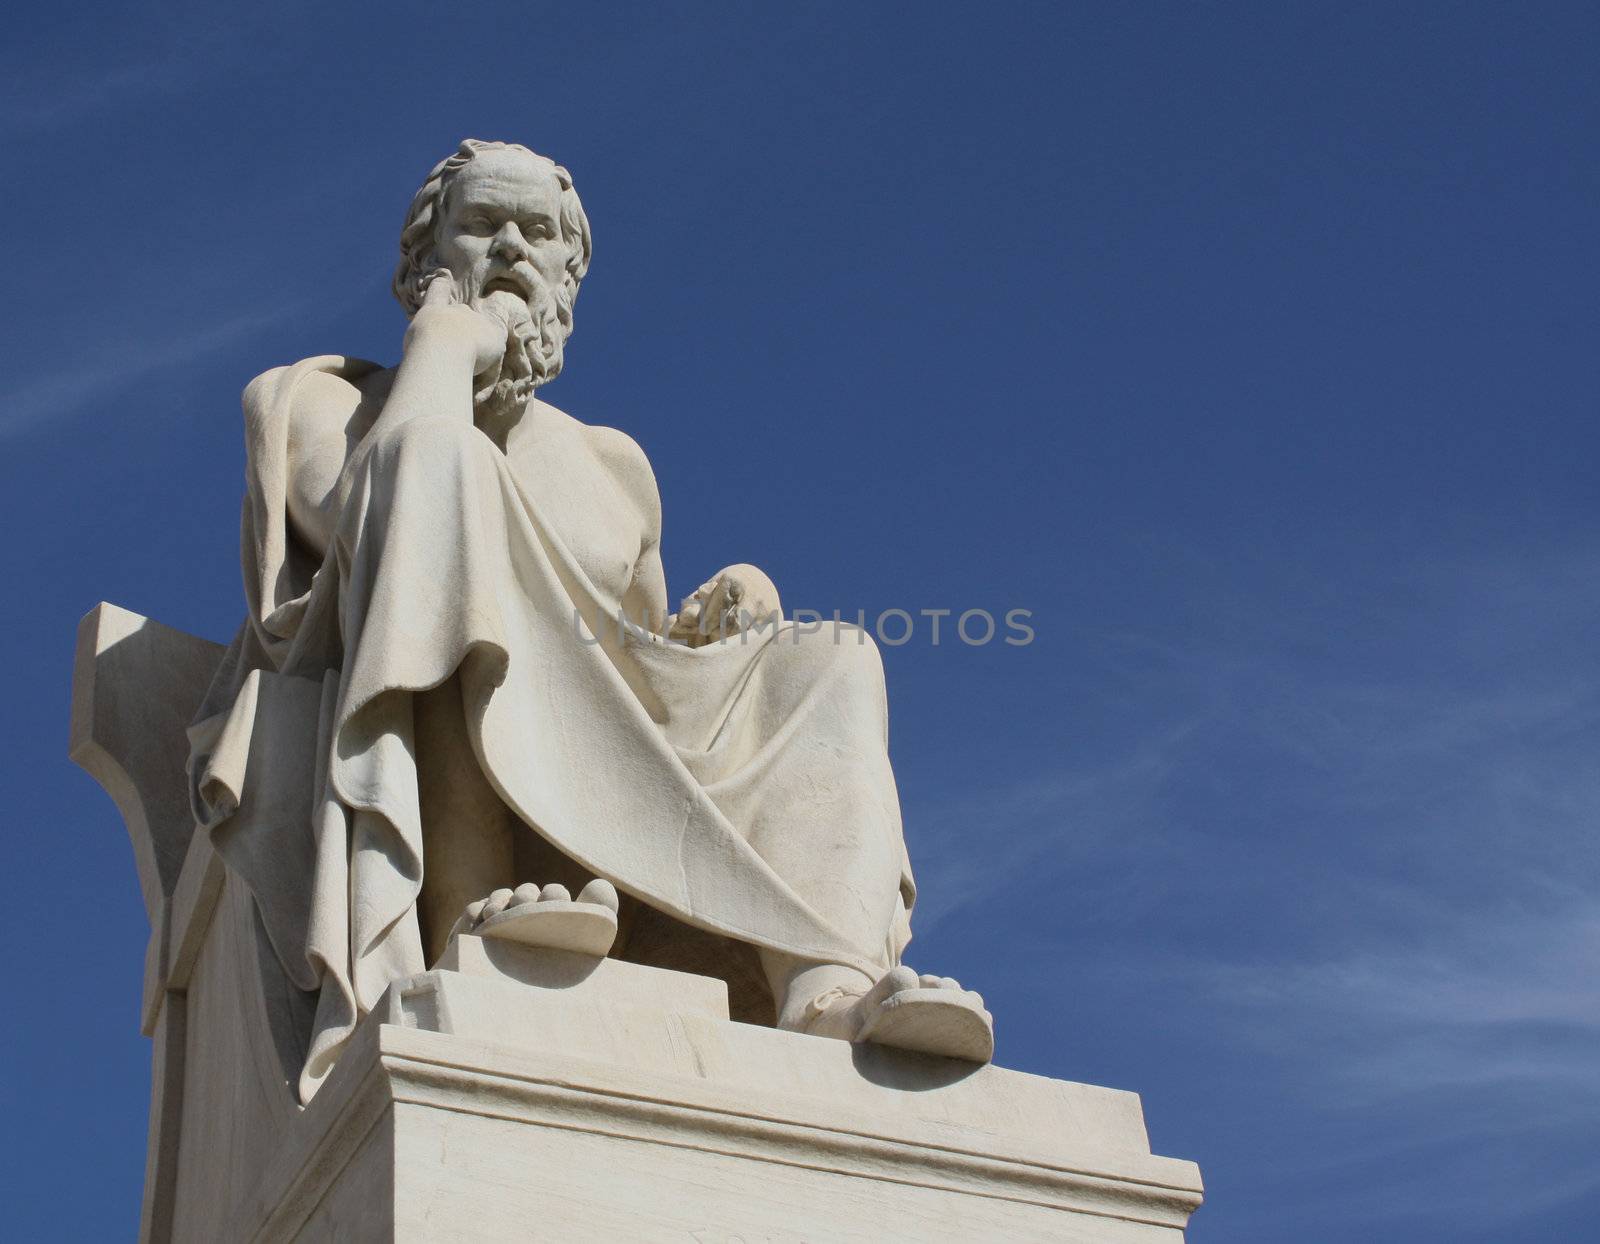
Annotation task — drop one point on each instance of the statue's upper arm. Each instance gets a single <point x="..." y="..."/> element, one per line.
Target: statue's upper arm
<point x="258" y="402"/>
<point x="647" y="594"/>
<point x="631" y="469"/>
<point x="319" y="417"/>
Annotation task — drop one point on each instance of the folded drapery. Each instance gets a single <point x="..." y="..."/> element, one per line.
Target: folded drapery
<point x="742" y="787"/>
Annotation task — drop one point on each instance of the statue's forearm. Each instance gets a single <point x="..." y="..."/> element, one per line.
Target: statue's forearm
<point x="434" y="378"/>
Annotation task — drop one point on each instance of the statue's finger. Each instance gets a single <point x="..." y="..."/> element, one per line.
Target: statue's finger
<point x="440" y="291"/>
<point x="521" y="363"/>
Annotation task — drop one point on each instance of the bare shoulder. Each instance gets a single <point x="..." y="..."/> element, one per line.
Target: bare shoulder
<point x="626" y="461"/>
<point x="618" y="453"/>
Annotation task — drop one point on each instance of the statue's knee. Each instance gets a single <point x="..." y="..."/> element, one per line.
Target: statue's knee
<point x="859" y="641"/>
<point x="840" y="649"/>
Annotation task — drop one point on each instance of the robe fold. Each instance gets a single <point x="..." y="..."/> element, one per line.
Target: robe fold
<point x="743" y="787"/>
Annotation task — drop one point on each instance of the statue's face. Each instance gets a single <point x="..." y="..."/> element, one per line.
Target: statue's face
<point x="500" y="228"/>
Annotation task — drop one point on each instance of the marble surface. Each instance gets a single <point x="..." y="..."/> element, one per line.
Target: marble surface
<point x="547" y="1095"/>
<point x="459" y="674"/>
<point x="488" y="895"/>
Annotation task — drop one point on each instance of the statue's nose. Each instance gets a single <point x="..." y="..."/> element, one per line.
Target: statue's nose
<point x="508" y="243"/>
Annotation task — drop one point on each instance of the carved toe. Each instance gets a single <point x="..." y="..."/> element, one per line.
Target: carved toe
<point x="554" y="922"/>
<point x="602" y="892"/>
<point x="496" y="903"/>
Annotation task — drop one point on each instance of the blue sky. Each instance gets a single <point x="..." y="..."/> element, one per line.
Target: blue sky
<point x="1251" y="347"/>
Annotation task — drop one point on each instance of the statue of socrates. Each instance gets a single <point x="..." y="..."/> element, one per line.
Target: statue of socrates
<point x="460" y="693"/>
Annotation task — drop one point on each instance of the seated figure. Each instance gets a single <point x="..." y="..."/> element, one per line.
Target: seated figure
<point x="460" y="700"/>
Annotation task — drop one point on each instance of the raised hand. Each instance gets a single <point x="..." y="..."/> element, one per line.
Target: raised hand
<point x="444" y="322"/>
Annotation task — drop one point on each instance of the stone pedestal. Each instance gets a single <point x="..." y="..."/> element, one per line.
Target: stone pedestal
<point x="523" y="1094"/>
<point x="527" y="1094"/>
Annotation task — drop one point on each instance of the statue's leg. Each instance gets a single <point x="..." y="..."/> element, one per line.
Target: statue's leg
<point x="468" y="833"/>
<point x="803" y="989"/>
<point x="843" y="853"/>
<point x="475" y="849"/>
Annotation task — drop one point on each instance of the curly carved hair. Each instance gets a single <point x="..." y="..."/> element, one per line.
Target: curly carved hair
<point x="417" y="260"/>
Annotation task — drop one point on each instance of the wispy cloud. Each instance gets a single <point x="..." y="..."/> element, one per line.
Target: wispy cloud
<point x="35" y="102"/>
<point x="1362" y="857"/>
<point x="1437" y="1009"/>
<point x="1449" y="1079"/>
<point x="970" y="850"/>
<point x="84" y="62"/>
<point x="65" y="392"/>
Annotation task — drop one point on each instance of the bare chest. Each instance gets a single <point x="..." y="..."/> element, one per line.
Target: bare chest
<point x="581" y="502"/>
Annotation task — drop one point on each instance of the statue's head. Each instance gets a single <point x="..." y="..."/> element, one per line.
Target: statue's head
<point x="508" y="227"/>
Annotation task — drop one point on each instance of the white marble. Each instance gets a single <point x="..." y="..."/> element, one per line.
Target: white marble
<point x="457" y="887"/>
<point x="434" y="701"/>
<point x="540" y="1094"/>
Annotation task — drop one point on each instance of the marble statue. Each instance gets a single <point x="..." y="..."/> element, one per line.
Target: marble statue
<point x="460" y="703"/>
<point x="487" y="895"/>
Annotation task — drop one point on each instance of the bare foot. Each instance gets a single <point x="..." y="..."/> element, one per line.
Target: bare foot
<point x="548" y="917"/>
<point x="930" y="1014"/>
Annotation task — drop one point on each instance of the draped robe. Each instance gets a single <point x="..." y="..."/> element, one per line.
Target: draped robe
<point x="742" y="787"/>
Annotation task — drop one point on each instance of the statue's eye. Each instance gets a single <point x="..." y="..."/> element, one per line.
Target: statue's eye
<point x="479" y="224"/>
<point x="536" y="231"/>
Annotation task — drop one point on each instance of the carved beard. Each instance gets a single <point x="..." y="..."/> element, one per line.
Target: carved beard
<point x="535" y="337"/>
